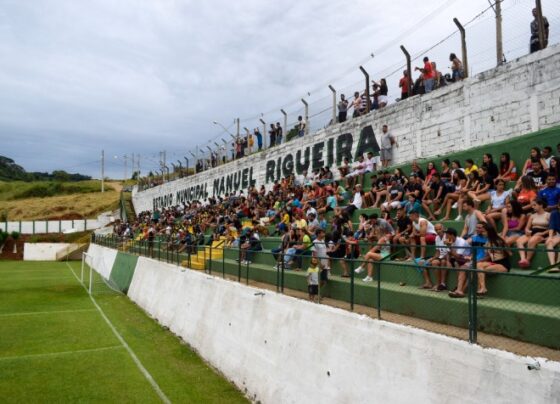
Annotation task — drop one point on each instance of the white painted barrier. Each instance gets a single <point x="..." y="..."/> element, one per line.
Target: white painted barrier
<point x="50" y="226"/>
<point x="284" y="350"/>
<point x="103" y="259"/>
<point x="44" y="251"/>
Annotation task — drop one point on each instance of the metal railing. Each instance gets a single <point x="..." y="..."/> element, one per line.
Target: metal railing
<point x="520" y="311"/>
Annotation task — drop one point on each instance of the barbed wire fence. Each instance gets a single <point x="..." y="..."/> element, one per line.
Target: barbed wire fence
<point x="389" y="62"/>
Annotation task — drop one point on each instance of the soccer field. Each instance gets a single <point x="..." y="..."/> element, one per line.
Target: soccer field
<point x="59" y="345"/>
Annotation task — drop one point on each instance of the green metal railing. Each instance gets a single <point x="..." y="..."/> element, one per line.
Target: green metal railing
<point x="520" y="306"/>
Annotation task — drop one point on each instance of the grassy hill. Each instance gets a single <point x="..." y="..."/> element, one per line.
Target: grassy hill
<point x="53" y="200"/>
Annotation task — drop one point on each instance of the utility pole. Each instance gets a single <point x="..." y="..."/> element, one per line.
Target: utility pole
<point x="138" y="162"/>
<point x="102" y="170"/>
<point x="132" y="166"/>
<point x="499" y="43"/>
<point x="125" y="167"/>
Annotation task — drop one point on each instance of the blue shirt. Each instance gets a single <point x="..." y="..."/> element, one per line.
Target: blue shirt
<point x="550" y="195"/>
<point x="476" y="241"/>
<point x="554" y="223"/>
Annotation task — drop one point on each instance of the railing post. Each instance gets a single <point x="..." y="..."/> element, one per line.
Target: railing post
<point x="333" y="104"/>
<point x="463" y="46"/>
<point x="368" y="103"/>
<point x="210" y="263"/>
<point x="282" y="275"/>
<point x="238" y="263"/>
<point x="408" y="70"/>
<point x="224" y="262"/>
<point x="352" y="285"/>
<point x="379" y="291"/>
<point x="247" y="273"/>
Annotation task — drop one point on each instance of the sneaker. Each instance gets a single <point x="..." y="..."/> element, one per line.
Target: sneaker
<point x="277" y="267"/>
<point x="368" y="279"/>
<point x="359" y="270"/>
<point x="454" y="206"/>
<point x="459" y="218"/>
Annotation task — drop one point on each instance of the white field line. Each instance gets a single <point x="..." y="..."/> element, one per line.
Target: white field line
<point x="42" y="355"/>
<point x="44" y="278"/>
<point x="36" y="313"/>
<point x="25" y="271"/>
<point x="139" y="364"/>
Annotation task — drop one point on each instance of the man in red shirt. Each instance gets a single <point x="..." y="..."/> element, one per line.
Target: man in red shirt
<point x="428" y="75"/>
<point x="404" y="83"/>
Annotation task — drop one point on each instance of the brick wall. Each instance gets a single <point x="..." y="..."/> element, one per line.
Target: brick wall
<point x="519" y="97"/>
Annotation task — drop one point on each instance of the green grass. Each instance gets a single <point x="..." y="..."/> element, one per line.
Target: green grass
<point x="56" y="347"/>
<point x="20" y="189"/>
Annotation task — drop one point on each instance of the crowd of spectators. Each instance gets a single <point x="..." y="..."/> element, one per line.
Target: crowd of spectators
<point x="497" y="207"/>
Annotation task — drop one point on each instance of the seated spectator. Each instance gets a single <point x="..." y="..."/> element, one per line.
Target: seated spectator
<point x="491" y="167"/>
<point x="553" y="240"/>
<point x="459" y="257"/>
<point x="337" y="249"/>
<point x="404" y="228"/>
<point x="534" y="156"/>
<point x="358" y="170"/>
<point x="417" y="170"/>
<point x="423" y="233"/>
<point x="536" y="232"/>
<point x="412" y="203"/>
<point x="344" y="169"/>
<point x="513" y="222"/>
<point x="470" y="166"/>
<point x="430" y="171"/>
<point x="439" y="260"/>
<point x="352" y="251"/>
<point x="250" y="246"/>
<point x="277" y="253"/>
<point x="498" y="199"/>
<point x="554" y="169"/>
<point x="525" y="193"/>
<point x="380" y="251"/>
<point x="538" y="175"/>
<point x="356" y="200"/>
<point x="434" y="195"/>
<point x="394" y="198"/>
<point x="319" y="251"/>
<point x="496" y="258"/>
<point x="508" y="170"/>
<point x="550" y="193"/>
<point x="485" y="185"/>
<point x="473" y="217"/>
<point x="451" y="198"/>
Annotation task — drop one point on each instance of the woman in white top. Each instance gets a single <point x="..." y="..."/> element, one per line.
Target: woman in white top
<point x="498" y="197"/>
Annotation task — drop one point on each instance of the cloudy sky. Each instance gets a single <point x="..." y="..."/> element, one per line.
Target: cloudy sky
<point x="133" y="76"/>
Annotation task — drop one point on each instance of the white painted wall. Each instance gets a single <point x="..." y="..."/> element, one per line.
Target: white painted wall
<point x="284" y="350"/>
<point x="50" y="226"/>
<point x="102" y="259"/>
<point x="44" y="251"/>
<point x="514" y="99"/>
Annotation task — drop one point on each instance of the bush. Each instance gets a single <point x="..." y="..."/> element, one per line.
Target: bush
<point x="15" y="235"/>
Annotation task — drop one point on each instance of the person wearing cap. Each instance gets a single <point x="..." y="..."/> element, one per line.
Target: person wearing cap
<point x="423" y="233"/>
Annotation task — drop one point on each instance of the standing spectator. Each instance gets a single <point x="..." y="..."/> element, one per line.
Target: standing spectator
<point x="272" y="134"/>
<point x="387" y="142"/>
<point x="383" y="91"/>
<point x="313" y="279"/>
<point x="278" y="133"/>
<point x="342" y="108"/>
<point x="439" y="80"/>
<point x="301" y="126"/>
<point x="259" y="137"/>
<point x="457" y="72"/>
<point x="428" y="75"/>
<point x="535" y="44"/>
<point x="357" y="105"/>
<point x="404" y="84"/>
<point x="320" y="252"/>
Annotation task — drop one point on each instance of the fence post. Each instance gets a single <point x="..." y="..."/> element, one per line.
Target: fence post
<point x="224" y="262"/>
<point x="540" y="20"/>
<point x="463" y="46"/>
<point x="210" y="263"/>
<point x="247" y="273"/>
<point x="33" y="226"/>
<point x="408" y="70"/>
<point x="264" y="132"/>
<point x="306" y="116"/>
<point x="85" y="224"/>
<point x="285" y="136"/>
<point x="47" y="226"/>
<point x="333" y="104"/>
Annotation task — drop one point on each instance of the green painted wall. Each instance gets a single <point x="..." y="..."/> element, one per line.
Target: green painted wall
<point x="123" y="271"/>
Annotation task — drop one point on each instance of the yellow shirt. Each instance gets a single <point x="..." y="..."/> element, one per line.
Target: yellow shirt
<point x="301" y="224"/>
<point x="470" y="170"/>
